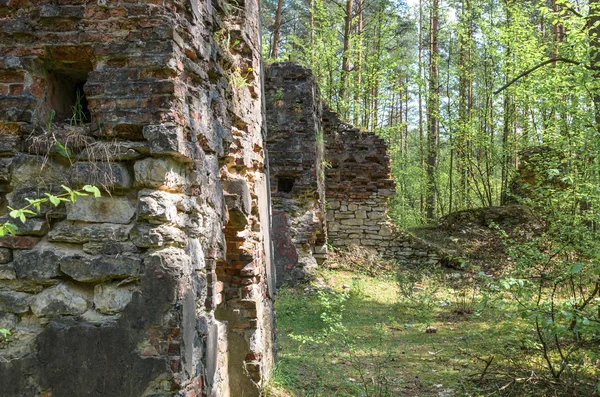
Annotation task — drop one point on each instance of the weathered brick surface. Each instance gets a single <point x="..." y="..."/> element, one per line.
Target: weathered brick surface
<point x="297" y="166"/>
<point x="173" y="289"/>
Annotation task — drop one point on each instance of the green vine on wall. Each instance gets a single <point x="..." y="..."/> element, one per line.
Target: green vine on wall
<point x="9" y="228"/>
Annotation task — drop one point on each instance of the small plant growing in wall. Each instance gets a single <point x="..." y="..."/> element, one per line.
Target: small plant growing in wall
<point x="238" y="81"/>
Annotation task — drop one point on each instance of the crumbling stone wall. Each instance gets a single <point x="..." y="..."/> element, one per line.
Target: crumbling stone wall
<point x="358" y="187"/>
<point x="352" y="178"/>
<point x="163" y="287"/>
<point x="296" y="163"/>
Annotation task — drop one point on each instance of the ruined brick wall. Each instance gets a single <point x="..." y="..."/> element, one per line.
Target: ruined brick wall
<point x="358" y="187"/>
<point x="359" y="184"/>
<point x="355" y="171"/>
<point x="164" y="287"/>
<point x="296" y="163"/>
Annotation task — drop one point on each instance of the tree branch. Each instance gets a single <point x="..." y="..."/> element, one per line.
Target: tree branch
<point x="539" y="65"/>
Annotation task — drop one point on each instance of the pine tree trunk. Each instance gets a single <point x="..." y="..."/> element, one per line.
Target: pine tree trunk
<point x="433" y="113"/>
<point x="277" y="30"/>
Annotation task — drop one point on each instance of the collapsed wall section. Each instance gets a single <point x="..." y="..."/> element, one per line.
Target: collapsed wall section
<point x="350" y="181"/>
<point x="163" y="286"/>
<point x="296" y="163"/>
<point x="358" y="187"/>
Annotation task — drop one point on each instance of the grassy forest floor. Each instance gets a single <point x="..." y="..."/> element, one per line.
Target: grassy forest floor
<point x="441" y="334"/>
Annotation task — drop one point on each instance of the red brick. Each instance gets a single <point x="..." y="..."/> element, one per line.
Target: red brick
<point x="16" y="89"/>
<point x="19" y="242"/>
<point x="11" y="76"/>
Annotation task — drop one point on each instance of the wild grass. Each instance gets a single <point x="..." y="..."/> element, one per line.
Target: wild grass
<point x="366" y="336"/>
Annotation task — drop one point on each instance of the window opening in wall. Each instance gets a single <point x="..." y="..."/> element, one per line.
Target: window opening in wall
<point x="285" y="184"/>
<point x="67" y="97"/>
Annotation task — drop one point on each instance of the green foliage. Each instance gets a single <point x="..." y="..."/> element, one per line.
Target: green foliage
<point x="237" y="80"/>
<point x="70" y="195"/>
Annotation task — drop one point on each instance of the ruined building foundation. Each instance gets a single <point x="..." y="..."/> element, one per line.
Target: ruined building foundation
<point x="165" y="287"/>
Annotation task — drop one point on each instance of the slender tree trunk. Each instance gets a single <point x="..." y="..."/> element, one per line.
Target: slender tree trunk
<point x="433" y="113"/>
<point x="277" y="30"/>
<point x="312" y="34"/>
<point x="420" y="104"/>
<point x="357" y="89"/>
<point x="346" y="55"/>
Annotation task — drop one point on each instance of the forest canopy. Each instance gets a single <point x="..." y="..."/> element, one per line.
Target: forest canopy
<point x="459" y="89"/>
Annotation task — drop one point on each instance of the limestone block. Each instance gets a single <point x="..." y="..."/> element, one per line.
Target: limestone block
<point x="144" y="235"/>
<point x="14" y="302"/>
<point x="333" y="205"/>
<point x="8" y="320"/>
<point x="167" y="139"/>
<point x="5" y="255"/>
<point x="196" y="253"/>
<point x="8" y="144"/>
<point x="101" y="210"/>
<point x="58" y="300"/>
<point x="385" y="231"/>
<point x="110" y="175"/>
<point x="352" y="207"/>
<point x="87" y="268"/>
<point x="7" y="272"/>
<point x="376" y="215"/>
<point x="39" y="264"/>
<point x="163" y="174"/>
<point x="109" y="248"/>
<point x="238" y="188"/>
<point x="79" y="233"/>
<point x="33" y="227"/>
<point x="28" y="171"/>
<point x="352" y="222"/>
<point x="361" y="214"/>
<point x="157" y="206"/>
<point x="110" y="298"/>
<point x="5" y="169"/>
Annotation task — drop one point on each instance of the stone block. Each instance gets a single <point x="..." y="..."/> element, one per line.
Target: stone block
<point x="237" y="195"/>
<point x="8" y="145"/>
<point x="353" y="207"/>
<point x="111" y="298"/>
<point x="34" y="171"/>
<point x="144" y="235"/>
<point x="385" y="231"/>
<point x="8" y="320"/>
<point x="58" y="300"/>
<point x="14" y="302"/>
<point x="101" y="210"/>
<point x="7" y="272"/>
<point x="167" y="139"/>
<point x="5" y="255"/>
<point x="109" y="248"/>
<point x="85" y="268"/>
<point x="352" y="222"/>
<point x="376" y="215"/>
<point x="39" y="265"/>
<point x="32" y="227"/>
<point x="108" y="175"/>
<point x="361" y="214"/>
<point x="80" y="233"/>
<point x="157" y="207"/>
<point x="163" y="174"/>
<point x="5" y="169"/>
<point x="333" y="205"/>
